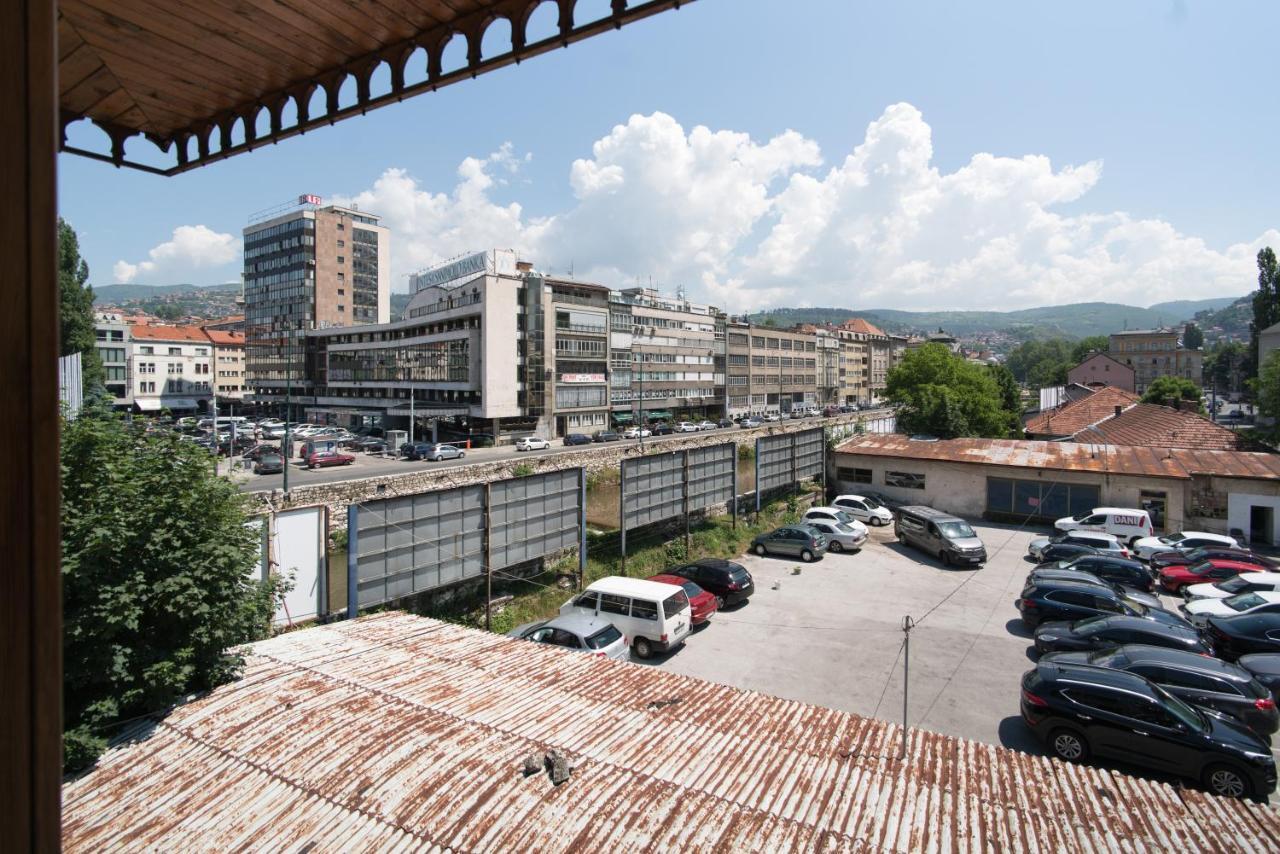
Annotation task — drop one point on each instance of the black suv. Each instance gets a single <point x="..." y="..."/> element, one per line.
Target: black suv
<point x="1073" y="600"/>
<point x="1110" y="632"/>
<point x="1050" y="572"/>
<point x="1064" y="551"/>
<point x="1080" y="711"/>
<point x="1117" y="570"/>
<point x="728" y="580"/>
<point x="1245" y="634"/>
<point x="1192" y="678"/>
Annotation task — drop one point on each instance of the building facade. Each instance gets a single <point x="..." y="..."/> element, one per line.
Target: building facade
<point x="1101" y="369"/>
<point x="228" y="363"/>
<point x="1155" y="353"/>
<point x="171" y="369"/>
<point x="312" y="267"/>
<point x="112" y="340"/>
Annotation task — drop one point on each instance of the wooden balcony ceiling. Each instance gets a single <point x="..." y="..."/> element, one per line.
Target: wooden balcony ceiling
<point x="207" y="79"/>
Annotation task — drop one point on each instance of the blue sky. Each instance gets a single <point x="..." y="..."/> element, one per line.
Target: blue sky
<point x="1150" y="125"/>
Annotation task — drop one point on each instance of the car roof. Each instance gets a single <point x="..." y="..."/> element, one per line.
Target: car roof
<point x="1100" y="536"/>
<point x="1217" y="538"/>
<point x="1128" y="511"/>
<point x="1078" y="576"/>
<point x="851" y="495"/>
<point x="1263" y="577"/>
<point x="1141" y="653"/>
<point x="1142" y="623"/>
<point x="826" y="508"/>
<point x="663" y="578"/>
<point x="714" y="563"/>
<point x="930" y="513"/>
<point x="1070" y="584"/>
<point x="1228" y="563"/>
<point x="621" y="586"/>
<point x="580" y="624"/>
<point x="1089" y="674"/>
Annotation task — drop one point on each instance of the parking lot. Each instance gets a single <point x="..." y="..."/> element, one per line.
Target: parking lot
<point x="832" y="636"/>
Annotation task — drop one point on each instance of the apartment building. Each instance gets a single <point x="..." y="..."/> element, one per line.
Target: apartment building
<point x="112" y="341"/>
<point x="308" y="267"/>
<point x="769" y="370"/>
<point x="1155" y="353"/>
<point x="666" y="357"/>
<point x="878" y="352"/>
<point x="171" y="367"/>
<point x="229" y="382"/>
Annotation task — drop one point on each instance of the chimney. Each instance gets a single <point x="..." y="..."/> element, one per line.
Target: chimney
<point x="1119" y="409"/>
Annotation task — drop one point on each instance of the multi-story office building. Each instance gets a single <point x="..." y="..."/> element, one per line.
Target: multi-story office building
<point x="879" y="354"/>
<point x="228" y="364"/>
<point x="667" y="357"/>
<point x="112" y="334"/>
<point x="782" y="369"/>
<point x="1155" y="353"/>
<point x="172" y="368"/>
<point x="310" y="267"/>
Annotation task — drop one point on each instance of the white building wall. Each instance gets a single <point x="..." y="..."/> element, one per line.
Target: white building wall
<point x="1240" y="513"/>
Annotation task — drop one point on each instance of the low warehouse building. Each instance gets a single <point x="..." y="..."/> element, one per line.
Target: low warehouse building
<point x="1012" y="480"/>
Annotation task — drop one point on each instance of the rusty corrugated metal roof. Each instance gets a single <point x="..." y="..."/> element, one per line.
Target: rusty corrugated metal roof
<point x="1179" y="463"/>
<point x="401" y="733"/>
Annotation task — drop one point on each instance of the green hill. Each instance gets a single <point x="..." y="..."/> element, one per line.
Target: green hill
<point x="116" y="294"/>
<point x="1229" y="323"/>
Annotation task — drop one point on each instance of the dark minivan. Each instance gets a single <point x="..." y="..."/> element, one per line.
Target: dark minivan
<point x="728" y="580"/>
<point x="948" y="538"/>
<point x="1081" y="711"/>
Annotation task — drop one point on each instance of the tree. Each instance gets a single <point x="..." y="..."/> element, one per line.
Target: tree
<point x="1010" y="394"/>
<point x="156" y="570"/>
<point x="75" y="308"/>
<point x="1224" y="366"/>
<point x="1040" y="363"/>
<point x="1170" y="391"/>
<point x="1192" y="337"/>
<point x="1269" y="389"/>
<point x="944" y="395"/>
<point x="1266" y="303"/>
<point x="1085" y="347"/>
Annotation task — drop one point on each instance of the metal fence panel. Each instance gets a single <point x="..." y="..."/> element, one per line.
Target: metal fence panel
<point x="652" y="489"/>
<point x="809" y="453"/>
<point x="788" y="458"/>
<point x="531" y="517"/>
<point x="711" y="475"/>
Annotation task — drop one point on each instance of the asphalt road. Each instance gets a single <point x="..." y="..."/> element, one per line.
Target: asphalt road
<point x="372" y="465"/>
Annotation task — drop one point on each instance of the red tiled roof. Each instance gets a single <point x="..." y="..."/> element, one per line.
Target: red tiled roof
<point x="1071" y="418"/>
<point x="857" y="324"/>
<point x="225" y="338"/>
<point x="1155" y="426"/>
<point x="1178" y="463"/>
<point x="169" y="333"/>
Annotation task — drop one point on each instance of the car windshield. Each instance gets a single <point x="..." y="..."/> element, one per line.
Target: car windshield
<point x="872" y="503"/>
<point x="1180" y="710"/>
<point x="1081" y="517"/>
<point x="1201" y="568"/>
<point x="691" y="589"/>
<point x="957" y="530"/>
<point x="1173" y="538"/>
<point x="1089" y="625"/>
<point x="1244" y="601"/>
<point x="1232" y="585"/>
<point x="843" y="528"/>
<point x="1104" y="658"/>
<point x="609" y="634"/>
<point x="1138" y="609"/>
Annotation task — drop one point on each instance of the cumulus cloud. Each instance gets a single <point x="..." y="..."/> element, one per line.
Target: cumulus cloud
<point x="191" y="247"/>
<point x="747" y="224"/>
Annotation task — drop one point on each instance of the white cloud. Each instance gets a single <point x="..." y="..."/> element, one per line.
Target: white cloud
<point x="191" y="247"/>
<point x="747" y="224"/>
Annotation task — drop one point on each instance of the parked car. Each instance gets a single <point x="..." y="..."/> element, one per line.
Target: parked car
<point x="1117" y="570"/>
<point x="1265" y="667"/>
<point x="884" y="500"/>
<point x="637" y="433"/>
<point x="1050" y="572"/>
<point x="605" y="436"/>
<point x="724" y="422"/>
<point x="1081" y="711"/>
<point x="323" y="459"/>
<point x="1105" y="632"/>
<point x="948" y="538"/>
<point x="834" y="515"/>
<point x="864" y="509"/>
<point x="653" y="616"/>
<point x="371" y="445"/>
<point x="686" y="427"/>
<point x="532" y="443"/>
<point x="577" y="439"/>
<point x="1045" y="599"/>
<point x="436" y="453"/>
<point x="727" y="579"/>
<point x="800" y="541"/>
<point x="1182" y="541"/>
<point x="1063" y="552"/>
<point x="1253" y="602"/>
<point x="1159" y="560"/>
<point x="1247" y="634"/>
<point x="772" y="417"/>
<point x="1125" y="524"/>
<point x="841" y="536"/>
<point x="662" y="428"/>
<point x="1174" y="578"/>
<point x="1192" y="678"/>
<point x="749" y="423"/>
<point x="258" y="450"/>
<point x="594" y="635"/>
<point x="1233" y="586"/>
<point x="832" y="411"/>
<point x="703" y="604"/>
<point x="1099" y="542"/>
<point x="268" y="464"/>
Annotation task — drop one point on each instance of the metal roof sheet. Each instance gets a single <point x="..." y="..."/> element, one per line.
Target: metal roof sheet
<point x="396" y="732"/>
<point x="1180" y="463"/>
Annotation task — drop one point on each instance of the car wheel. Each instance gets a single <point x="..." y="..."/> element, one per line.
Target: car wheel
<point x="945" y="557"/>
<point x="806" y="555"/>
<point x="461" y="455"/>
<point x="1069" y="745"/>
<point x="642" y="648"/>
<point x="1133" y="545"/>
<point x="719" y="603"/>
<point x="1227" y="781"/>
<point x="761" y="550"/>
<point x="902" y="538"/>
<point x="835" y="546"/>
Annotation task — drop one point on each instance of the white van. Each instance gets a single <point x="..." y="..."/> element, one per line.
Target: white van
<point x="650" y="614"/>
<point x="1126" y="525"/>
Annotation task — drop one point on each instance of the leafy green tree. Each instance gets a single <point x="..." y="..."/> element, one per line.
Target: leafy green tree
<point x="944" y="395"/>
<point x="1225" y="365"/>
<point x="1269" y="389"/>
<point x="1085" y="346"/>
<point x="1169" y="391"/>
<point x="75" y="308"/>
<point x="1192" y="337"/>
<point x="1040" y="363"/>
<point x="1010" y="394"/>
<point x="1266" y="303"/>
<point x="156" y="576"/>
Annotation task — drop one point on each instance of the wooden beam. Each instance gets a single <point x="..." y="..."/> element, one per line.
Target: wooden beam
<point x="30" y="590"/>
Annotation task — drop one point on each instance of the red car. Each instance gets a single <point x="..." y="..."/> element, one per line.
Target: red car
<point x="329" y="458"/>
<point x="1160" y="560"/>
<point x="1174" y="578"/>
<point x="701" y="602"/>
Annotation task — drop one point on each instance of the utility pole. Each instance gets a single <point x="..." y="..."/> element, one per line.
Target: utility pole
<point x="413" y="394"/>
<point x="288" y="406"/>
<point x="907" y="625"/>
<point x="640" y="417"/>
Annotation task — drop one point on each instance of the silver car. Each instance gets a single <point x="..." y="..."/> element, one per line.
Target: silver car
<point x="841" y="537"/>
<point x="436" y="453"/>
<point x="577" y="632"/>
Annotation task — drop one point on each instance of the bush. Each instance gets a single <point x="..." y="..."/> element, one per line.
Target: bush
<point x="522" y="470"/>
<point x="746" y="452"/>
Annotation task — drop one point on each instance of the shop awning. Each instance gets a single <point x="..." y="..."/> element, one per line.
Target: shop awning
<point x="177" y="403"/>
<point x="657" y="413"/>
<point x="147" y="405"/>
<point x="622" y="417"/>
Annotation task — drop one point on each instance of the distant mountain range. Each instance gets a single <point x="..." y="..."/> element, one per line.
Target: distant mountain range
<point x="116" y="294"/>
<point x="1078" y="320"/>
<point x="1228" y="323"/>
